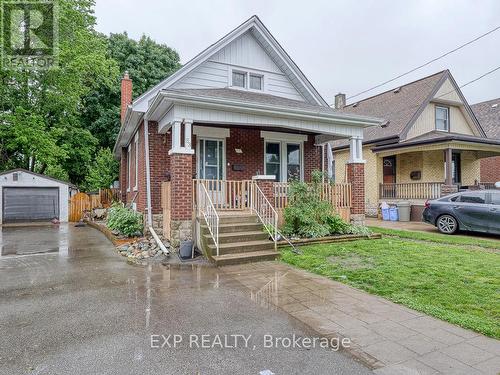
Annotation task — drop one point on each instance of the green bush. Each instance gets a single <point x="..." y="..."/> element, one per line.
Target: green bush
<point x="124" y="220"/>
<point x="308" y="216"/>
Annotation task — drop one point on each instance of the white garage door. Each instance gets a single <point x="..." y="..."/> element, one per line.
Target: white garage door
<point x="23" y="204"/>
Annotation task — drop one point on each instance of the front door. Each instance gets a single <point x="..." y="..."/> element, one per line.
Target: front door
<point x="211" y="166"/>
<point x="389" y="172"/>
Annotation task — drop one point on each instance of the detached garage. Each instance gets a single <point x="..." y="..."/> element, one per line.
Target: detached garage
<point x="30" y="197"/>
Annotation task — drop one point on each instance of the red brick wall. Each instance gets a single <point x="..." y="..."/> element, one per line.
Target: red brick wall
<point x="356" y="176"/>
<point x="159" y="163"/>
<point x="182" y="186"/>
<point x="312" y="158"/>
<point x="490" y="169"/>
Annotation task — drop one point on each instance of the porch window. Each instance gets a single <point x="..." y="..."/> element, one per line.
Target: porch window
<point x="442" y="118"/>
<point x="239" y="79"/>
<point x="273" y="159"/>
<point x="286" y="167"/>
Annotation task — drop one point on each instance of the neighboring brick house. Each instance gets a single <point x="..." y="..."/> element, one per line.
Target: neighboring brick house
<point x="488" y="114"/>
<point x="239" y="110"/>
<point x="431" y="144"/>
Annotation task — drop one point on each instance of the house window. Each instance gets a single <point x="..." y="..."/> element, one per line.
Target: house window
<point x="283" y="160"/>
<point x="443" y="118"/>
<point x="255" y="82"/>
<point x="273" y="159"/>
<point x="239" y="79"/>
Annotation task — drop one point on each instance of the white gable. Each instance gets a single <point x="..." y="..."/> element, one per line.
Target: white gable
<point x="250" y="46"/>
<point x="242" y="54"/>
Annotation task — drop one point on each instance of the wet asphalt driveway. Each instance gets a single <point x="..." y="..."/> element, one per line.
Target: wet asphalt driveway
<point x="70" y="305"/>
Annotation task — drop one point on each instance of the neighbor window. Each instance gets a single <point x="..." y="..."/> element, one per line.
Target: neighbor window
<point x="442" y="118"/>
<point x="255" y="82"/>
<point x="239" y="79"/>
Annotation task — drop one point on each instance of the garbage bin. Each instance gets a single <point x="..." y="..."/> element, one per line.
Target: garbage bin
<point x="393" y="214"/>
<point x="404" y="211"/>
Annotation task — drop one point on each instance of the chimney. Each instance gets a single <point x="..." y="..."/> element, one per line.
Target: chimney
<point x="339" y="101"/>
<point x="126" y="92"/>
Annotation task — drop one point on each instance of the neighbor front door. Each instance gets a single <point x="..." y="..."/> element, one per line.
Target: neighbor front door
<point x="389" y="173"/>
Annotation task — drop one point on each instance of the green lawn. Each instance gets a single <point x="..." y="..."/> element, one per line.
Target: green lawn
<point x="440" y="238"/>
<point x="459" y="284"/>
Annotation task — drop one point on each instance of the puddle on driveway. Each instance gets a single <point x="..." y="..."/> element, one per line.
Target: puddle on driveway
<point x="30" y="240"/>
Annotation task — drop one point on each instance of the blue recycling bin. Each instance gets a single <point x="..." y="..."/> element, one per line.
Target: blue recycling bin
<point x="386" y="214"/>
<point x="393" y="214"/>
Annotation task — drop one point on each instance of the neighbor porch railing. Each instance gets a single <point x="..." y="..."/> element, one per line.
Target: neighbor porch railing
<point x="411" y="190"/>
<point x="265" y="211"/>
<point x="207" y="209"/>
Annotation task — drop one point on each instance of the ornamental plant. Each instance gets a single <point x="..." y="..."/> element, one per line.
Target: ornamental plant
<point x="125" y="221"/>
<point x="309" y="216"/>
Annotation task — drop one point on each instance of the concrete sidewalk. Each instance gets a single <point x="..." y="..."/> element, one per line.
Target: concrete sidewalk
<point x="389" y="338"/>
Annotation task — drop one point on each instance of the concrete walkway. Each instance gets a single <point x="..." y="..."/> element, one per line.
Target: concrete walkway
<point x="389" y="338"/>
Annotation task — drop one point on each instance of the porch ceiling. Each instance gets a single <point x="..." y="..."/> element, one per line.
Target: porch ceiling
<point x="174" y="106"/>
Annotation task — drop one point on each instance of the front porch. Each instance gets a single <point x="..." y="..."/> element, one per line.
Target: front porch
<point x="229" y="154"/>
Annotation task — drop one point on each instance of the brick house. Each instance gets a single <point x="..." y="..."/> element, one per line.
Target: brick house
<point x="432" y="143"/>
<point x="488" y="115"/>
<point x="241" y="110"/>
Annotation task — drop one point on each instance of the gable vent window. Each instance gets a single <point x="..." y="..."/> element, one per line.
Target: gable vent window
<point x="442" y="119"/>
<point x="239" y="79"/>
<point x="255" y="82"/>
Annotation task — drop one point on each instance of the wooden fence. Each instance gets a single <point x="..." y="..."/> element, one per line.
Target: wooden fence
<point x="166" y="208"/>
<point x="82" y="203"/>
<point x="225" y="195"/>
<point x="410" y="190"/>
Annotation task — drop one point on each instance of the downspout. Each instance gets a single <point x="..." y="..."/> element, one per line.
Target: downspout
<point x="148" y="174"/>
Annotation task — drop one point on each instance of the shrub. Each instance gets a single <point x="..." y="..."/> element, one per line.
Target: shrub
<point x="124" y="220"/>
<point x="308" y="215"/>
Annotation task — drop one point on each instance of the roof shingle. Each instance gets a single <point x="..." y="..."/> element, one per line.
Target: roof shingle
<point x="488" y="115"/>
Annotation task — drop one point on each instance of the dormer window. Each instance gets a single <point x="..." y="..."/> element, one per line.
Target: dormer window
<point x="247" y="80"/>
<point x="239" y="79"/>
<point x="442" y="118"/>
<point x="255" y="82"/>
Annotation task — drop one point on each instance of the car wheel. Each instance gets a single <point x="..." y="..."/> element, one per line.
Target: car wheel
<point x="447" y="224"/>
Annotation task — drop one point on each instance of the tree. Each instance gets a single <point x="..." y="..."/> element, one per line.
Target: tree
<point x="103" y="172"/>
<point x="147" y="62"/>
<point x="40" y="110"/>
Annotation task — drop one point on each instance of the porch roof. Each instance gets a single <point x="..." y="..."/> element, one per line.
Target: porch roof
<point x="437" y="140"/>
<point x="238" y="107"/>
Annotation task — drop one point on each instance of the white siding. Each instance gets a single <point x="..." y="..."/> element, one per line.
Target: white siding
<point x="244" y="53"/>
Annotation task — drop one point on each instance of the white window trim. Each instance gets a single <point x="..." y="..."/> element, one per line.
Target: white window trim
<point x="448" y="118"/>
<point x="210" y="132"/>
<point x="285" y="139"/>
<point x="136" y="159"/>
<point x="128" y="168"/>
<point x="247" y="73"/>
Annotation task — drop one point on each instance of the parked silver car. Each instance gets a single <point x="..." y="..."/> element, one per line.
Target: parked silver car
<point x="477" y="211"/>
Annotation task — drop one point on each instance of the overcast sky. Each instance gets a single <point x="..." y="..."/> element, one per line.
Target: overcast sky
<point x="341" y="46"/>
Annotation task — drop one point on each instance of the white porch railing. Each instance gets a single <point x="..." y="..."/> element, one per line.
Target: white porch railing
<point x="207" y="209"/>
<point x="265" y="212"/>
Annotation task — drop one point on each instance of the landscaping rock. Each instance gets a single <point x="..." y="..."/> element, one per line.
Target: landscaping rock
<point x="143" y="249"/>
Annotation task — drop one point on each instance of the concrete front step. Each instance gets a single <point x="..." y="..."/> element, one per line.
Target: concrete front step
<point x="253" y="256"/>
<point x="237" y="237"/>
<point x="242" y="247"/>
<point x="238" y="219"/>
<point x="235" y="227"/>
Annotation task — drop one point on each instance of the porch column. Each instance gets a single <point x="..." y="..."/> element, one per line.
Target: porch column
<point x="356" y="177"/>
<point x="448" y="187"/>
<point x="181" y="172"/>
